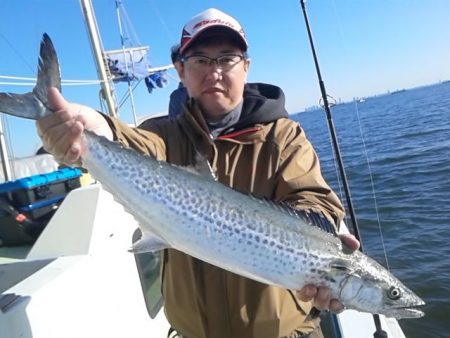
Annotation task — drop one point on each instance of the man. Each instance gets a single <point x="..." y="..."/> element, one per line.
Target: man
<point x="244" y="131"/>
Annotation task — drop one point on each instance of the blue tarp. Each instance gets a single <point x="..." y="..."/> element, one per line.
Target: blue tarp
<point x="131" y="65"/>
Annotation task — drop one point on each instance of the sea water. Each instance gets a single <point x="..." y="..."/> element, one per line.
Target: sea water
<point x="396" y="152"/>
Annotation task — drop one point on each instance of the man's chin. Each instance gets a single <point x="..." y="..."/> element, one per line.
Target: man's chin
<point x="216" y="109"/>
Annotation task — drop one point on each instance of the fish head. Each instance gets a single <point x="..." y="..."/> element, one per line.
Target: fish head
<point x="371" y="288"/>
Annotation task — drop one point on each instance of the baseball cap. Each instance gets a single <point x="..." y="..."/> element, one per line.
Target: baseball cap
<point x="205" y="21"/>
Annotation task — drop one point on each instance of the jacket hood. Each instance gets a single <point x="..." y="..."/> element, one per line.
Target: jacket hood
<point x="263" y="103"/>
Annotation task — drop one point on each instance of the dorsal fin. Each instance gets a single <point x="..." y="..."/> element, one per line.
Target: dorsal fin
<point x="311" y="217"/>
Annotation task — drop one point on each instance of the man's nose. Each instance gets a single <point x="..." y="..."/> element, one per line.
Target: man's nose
<point x="214" y="70"/>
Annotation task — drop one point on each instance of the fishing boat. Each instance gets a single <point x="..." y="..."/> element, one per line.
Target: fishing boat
<point x="79" y="280"/>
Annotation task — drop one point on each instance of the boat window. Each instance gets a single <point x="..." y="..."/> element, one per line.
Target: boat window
<point x="149" y="267"/>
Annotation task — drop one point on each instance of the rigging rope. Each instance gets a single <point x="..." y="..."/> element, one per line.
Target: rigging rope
<point x="127" y="94"/>
<point x="163" y="22"/>
<point x="17" y="52"/>
<point x="34" y="79"/>
<point x="124" y="21"/>
<point x="33" y="83"/>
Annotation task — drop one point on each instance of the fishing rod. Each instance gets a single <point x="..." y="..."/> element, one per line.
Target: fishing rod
<point x="379" y="333"/>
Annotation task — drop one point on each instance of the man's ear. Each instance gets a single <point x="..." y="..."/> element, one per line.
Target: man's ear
<point x="247" y="64"/>
<point x="179" y="67"/>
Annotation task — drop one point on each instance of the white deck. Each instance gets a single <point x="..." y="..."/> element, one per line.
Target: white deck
<point x="92" y="289"/>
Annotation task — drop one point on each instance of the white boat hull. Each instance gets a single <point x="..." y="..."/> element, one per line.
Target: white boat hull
<point x="91" y="285"/>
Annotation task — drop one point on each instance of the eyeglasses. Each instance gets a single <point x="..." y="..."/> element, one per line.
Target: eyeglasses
<point x="202" y="62"/>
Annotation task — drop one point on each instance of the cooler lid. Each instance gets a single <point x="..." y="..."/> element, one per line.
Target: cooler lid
<point x="42" y="179"/>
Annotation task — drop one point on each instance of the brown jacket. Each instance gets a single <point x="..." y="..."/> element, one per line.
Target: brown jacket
<point x="271" y="159"/>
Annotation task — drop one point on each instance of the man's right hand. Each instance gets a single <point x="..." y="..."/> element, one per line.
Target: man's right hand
<point x="61" y="131"/>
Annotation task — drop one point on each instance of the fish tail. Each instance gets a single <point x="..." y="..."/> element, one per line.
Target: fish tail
<point x="34" y="105"/>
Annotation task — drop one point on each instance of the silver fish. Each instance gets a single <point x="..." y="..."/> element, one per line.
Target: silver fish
<point x="179" y="209"/>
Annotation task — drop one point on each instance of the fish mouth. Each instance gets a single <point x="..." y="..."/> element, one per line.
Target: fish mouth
<point x="403" y="312"/>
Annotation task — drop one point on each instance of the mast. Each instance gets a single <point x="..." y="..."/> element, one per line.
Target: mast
<point x="122" y="40"/>
<point x="97" y="50"/>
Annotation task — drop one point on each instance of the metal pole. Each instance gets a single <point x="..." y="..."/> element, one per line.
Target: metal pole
<point x="122" y="41"/>
<point x="97" y="50"/>
<point x="4" y="154"/>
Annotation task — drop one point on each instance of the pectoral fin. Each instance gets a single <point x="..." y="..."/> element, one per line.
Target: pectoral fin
<point x="149" y="243"/>
<point x="341" y="266"/>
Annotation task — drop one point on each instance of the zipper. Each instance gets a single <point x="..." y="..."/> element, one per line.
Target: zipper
<point x="239" y="133"/>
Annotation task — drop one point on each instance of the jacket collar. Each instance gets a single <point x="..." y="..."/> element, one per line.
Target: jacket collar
<point x="196" y="126"/>
<point x="262" y="103"/>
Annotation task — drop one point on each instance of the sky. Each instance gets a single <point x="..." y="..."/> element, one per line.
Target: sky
<point x="364" y="47"/>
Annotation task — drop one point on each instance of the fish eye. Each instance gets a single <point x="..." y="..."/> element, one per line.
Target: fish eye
<point x="394" y="293"/>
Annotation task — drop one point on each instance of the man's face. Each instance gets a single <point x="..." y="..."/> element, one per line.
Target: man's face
<point x="217" y="89"/>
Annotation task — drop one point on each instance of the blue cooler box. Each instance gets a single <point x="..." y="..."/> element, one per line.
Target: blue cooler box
<point x="27" y="204"/>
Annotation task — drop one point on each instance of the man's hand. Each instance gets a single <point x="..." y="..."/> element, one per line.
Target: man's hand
<point x="321" y="296"/>
<point x="61" y="131"/>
